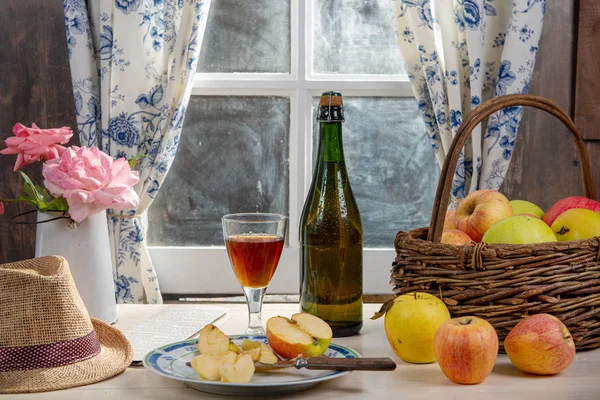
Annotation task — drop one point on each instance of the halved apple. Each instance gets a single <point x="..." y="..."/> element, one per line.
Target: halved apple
<point x="241" y="371"/>
<point x="303" y="334"/>
<point x="212" y="340"/>
<point x="207" y="365"/>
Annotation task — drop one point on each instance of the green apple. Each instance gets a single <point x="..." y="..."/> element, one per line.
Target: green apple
<point x="410" y="325"/>
<point x="526" y="207"/>
<point x="576" y="224"/>
<point x="519" y="229"/>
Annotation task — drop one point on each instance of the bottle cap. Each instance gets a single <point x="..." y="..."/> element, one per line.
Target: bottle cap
<point x="331" y="107"/>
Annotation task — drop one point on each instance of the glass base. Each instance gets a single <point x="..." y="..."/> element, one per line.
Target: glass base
<point x="347" y="330"/>
<point x="258" y="331"/>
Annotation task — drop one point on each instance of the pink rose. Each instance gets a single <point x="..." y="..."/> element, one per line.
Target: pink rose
<point x="91" y="181"/>
<point x="1" y="208"/>
<point x="34" y="144"/>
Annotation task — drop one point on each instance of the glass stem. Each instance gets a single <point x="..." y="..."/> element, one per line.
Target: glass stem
<point x="254" y="297"/>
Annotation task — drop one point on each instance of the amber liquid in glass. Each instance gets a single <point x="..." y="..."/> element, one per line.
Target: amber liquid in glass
<point x="254" y="258"/>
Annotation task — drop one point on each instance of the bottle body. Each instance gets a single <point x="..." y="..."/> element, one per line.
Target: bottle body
<point x="331" y="241"/>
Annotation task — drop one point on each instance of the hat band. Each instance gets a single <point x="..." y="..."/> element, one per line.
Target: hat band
<point x="49" y="355"/>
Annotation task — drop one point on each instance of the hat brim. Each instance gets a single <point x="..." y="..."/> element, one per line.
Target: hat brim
<point x="114" y="357"/>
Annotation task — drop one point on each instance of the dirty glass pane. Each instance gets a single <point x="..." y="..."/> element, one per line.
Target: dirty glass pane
<point x="247" y="36"/>
<point x="233" y="157"/>
<point x="355" y="37"/>
<point x="391" y="165"/>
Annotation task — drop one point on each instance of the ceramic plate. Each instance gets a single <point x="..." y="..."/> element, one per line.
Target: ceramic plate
<point x="170" y="361"/>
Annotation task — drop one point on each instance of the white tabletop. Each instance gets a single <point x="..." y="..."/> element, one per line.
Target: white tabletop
<point x="409" y="381"/>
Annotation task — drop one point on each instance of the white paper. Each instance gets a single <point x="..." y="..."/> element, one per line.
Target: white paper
<point x="170" y="325"/>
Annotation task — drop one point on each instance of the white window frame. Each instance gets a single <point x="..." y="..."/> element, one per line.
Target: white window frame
<point x="206" y="270"/>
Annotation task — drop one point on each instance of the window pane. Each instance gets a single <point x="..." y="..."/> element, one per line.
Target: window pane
<point x="355" y="37"/>
<point x="247" y="36"/>
<point x="232" y="157"/>
<point x="392" y="168"/>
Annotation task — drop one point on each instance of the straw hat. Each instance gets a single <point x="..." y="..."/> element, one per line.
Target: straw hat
<point x="47" y="339"/>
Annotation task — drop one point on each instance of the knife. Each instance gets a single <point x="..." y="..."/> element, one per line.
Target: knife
<point x="328" y="363"/>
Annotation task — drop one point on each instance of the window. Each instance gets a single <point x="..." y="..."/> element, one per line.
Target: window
<point x="249" y="137"/>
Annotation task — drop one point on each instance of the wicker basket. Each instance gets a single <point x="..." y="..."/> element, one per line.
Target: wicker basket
<point x="505" y="283"/>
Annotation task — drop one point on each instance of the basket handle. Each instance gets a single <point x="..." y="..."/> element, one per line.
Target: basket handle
<point x="483" y="111"/>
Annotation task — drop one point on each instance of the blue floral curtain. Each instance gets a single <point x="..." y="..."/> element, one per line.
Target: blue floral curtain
<point x="459" y="53"/>
<point x="132" y="65"/>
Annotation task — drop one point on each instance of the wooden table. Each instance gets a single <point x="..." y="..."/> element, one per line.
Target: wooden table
<point x="409" y="381"/>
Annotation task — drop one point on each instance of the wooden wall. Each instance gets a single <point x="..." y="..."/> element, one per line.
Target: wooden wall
<point x="545" y="167"/>
<point x="35" y="86"/>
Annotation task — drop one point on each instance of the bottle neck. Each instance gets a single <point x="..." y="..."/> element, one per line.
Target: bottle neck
<point x="330" y="142"/>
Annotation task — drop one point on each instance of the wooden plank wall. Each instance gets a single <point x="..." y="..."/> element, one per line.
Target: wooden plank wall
<point x="587" y="82"/>
<point x="545" y="166"/>
<point x="35" y="86"/>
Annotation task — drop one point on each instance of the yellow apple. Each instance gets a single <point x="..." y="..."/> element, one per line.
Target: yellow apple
<point x="519" y="229"/>
<point x="526" y="207"/>
<point x="455" y="237"/>
<point x="576" y="224"/>
<point x="540" y="344"/>
<point x="303" y="334"/>
<point x="240" y="371"/>
<point x="480" y="210"/>
<point x="410" y="324"/>
<point x="466" y="349"/>
<point x="207" y="365"/>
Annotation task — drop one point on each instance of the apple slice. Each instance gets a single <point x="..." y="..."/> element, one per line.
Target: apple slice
<point x="267" y="356"/>
<point x="212" y="340"/>
<point x="250" y="344"/>
<point x="303" y="334"/>
<point x="254" y="352"/>
<point x="207" y="365"/>
<point x="241" y="371"/>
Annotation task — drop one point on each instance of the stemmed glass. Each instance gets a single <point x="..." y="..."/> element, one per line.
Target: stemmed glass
<point x="254" y="242"/>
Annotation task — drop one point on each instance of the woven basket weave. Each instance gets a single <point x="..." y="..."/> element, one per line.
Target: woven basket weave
<point x="505" y="283"/>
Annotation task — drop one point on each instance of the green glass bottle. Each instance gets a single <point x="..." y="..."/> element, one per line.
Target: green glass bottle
<point x="331" y="240"/>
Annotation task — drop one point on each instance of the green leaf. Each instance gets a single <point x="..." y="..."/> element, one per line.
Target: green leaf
<point x="57" y="204"/>
<point x="134" y="161"/>
<point x="30" y="190"/>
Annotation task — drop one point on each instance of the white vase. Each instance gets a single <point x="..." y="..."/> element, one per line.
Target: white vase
<point x="87" y="250"/>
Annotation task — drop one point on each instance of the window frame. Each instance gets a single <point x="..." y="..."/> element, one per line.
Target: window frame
<point x="178" y="268"/>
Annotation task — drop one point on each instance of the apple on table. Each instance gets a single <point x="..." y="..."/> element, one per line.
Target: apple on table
<point x="540" y="344"/>
<point x="466" y="349"/>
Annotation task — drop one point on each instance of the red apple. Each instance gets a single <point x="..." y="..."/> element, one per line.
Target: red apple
<point x="455" y="237"/>
<point x="480" y="210"/>
<point x="449" y="220"/>
<point x="466" y="349"/>
<point x="540" y="344"/>
<point x="570" y="202"/>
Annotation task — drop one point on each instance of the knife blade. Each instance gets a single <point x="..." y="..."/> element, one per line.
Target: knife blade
<point x="328" y="363"/>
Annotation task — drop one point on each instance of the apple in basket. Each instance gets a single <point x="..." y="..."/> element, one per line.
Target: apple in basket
<point x="540" y="344"/>
<point x="449" y="220"/>
<point x="519" y="229"/>
<point x="568" y="203"/>
<point x="526" y="207"/>
<point x="480" y="210"/>
<point x="466" y="349"/>
<point x="576" y="224"/>
<point x="455" y="237"/>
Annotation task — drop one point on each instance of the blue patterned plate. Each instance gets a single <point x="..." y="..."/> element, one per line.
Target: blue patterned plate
<point x="170" y="361"/>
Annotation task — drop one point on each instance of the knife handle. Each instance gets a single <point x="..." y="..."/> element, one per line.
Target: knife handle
<point x="351" y="364"/>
